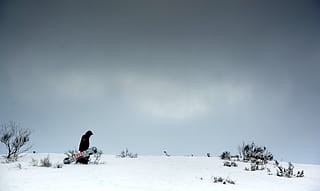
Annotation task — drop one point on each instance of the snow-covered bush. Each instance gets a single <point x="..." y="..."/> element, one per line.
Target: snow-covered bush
<point x="166" y="153"/>
<point x="45" y="162"/>
<point x="223" y="180"/>
<point x="97" y="157"/>
<point x="269" y="171"/>
<point x="58" y="165"/>
<point x="225" y="155"/>
<point x="281" y="171"/>
<point x="15" y="139"/>
<point x="230" y="164"/>
<point x="19" y="166"/>
<point x="255" y="166"/>
<point x="127" y="154"/>
<point x="288" y="172"/>
<point x="285" y="172"/>
<point x="34" y="162"/>
<point x="252" y="152"/>
<point x="300" y="174"/>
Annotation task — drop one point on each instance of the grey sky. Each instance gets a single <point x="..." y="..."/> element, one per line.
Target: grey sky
<point x="185" y="76"/>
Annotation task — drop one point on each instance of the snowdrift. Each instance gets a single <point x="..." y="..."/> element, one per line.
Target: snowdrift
<point x="148" y="173"/>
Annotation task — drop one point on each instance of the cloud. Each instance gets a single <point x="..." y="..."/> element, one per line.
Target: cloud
<point x="42" y="85"/>
<point x="79" y="86"/>
<point x="153" y="95"/>
<point x="165" y="98"/>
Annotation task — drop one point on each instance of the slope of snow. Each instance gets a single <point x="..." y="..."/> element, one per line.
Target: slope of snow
<point x="149" y="173"/>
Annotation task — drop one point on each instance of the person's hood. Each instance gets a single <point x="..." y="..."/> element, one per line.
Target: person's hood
<point x="89" y="133"/>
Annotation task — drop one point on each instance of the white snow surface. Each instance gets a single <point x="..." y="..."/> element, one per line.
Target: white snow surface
<point x="149" y="173"/>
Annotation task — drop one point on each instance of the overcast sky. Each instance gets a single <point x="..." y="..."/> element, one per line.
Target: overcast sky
<point x="182" y="76"/>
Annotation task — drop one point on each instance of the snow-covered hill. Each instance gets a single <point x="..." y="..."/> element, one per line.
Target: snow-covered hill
<point x="149" y="173"/>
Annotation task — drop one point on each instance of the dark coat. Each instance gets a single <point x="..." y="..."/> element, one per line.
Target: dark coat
<point x="84" y="143"/>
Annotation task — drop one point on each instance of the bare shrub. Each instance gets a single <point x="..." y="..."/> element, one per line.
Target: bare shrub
<point x="15" y="139"/>
<point x="127" y="154"/>
<point x="45" y="162"/>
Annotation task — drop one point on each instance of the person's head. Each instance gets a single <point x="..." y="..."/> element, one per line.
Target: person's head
<point x="89" y="133"/>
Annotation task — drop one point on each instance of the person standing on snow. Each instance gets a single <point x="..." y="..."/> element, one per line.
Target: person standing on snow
<point x="84" y="145"/>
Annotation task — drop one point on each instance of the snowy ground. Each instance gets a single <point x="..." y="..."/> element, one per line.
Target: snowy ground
<point x="148" y="173"/>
